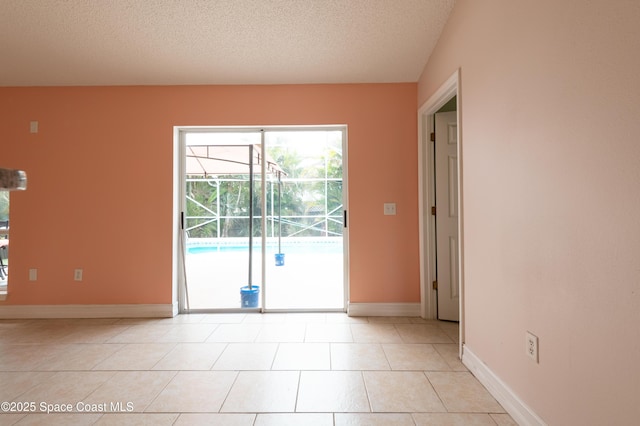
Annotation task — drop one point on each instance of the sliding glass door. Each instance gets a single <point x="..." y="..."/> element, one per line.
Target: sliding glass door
<point x="263" y="219"/>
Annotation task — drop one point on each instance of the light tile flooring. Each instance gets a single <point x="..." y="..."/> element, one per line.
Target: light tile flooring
<point x="239" y="369"/>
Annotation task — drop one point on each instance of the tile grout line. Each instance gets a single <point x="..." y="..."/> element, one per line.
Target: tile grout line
<point x="224" y="400"/>
<point x="366" y="391"/>
<point x="295" y="405"/>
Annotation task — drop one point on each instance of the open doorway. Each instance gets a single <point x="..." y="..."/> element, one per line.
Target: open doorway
<point x="441" y="281"/>
<point x="262" y="219"/>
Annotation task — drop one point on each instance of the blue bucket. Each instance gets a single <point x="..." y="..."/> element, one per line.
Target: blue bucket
<point x="279" y="259"/>
<point x="249" y="296"/>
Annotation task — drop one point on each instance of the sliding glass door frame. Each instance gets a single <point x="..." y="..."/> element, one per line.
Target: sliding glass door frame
<point x="180" y="281"/>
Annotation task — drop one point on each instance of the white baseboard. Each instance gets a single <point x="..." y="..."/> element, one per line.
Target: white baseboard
<point x="384" y="310"/>
<point x="516" y="408"/>
<point x="88" y="311"/>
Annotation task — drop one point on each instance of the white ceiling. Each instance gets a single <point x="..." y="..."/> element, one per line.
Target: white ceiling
<point x="162" y="42"/>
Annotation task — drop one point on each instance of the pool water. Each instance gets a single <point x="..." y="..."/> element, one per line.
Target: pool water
<point x="332" y="247"/>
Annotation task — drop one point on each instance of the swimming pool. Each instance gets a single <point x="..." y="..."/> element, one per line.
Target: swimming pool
<point x="330" y="245"/>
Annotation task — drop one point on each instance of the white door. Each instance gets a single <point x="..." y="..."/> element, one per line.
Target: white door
<point x="446" y="158"/>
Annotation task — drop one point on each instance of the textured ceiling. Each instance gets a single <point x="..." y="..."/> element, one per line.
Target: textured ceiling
<point x="161" y="42"/>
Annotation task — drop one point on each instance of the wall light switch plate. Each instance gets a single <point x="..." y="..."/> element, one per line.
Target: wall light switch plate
<point x="33" y="127"/>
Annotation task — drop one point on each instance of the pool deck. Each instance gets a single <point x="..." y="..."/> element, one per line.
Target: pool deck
<point x="307" y="280"/>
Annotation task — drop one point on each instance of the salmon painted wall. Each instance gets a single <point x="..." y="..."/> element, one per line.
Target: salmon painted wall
<point x="550" y="107"/>
<point x="100" y="182"/>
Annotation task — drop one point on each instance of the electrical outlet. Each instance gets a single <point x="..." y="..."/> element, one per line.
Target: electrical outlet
<point x="33" y="274"/>
<point x="532" y="346"/>
<point x="389" y="209"/>
<point x="77" y="275"/>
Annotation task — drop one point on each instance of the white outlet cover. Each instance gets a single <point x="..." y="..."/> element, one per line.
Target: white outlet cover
<point x="389" y="209"/>
<point x="532" y="346"/>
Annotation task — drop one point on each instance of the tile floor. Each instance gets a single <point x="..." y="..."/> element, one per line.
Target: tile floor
<point x="239" y="369"/>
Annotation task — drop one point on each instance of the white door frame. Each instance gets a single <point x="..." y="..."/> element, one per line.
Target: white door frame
<point x="426" y="193"/>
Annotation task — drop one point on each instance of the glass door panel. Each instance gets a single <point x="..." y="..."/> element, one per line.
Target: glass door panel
<point x="305" y="255"/>
<point x="221" y="220"/>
